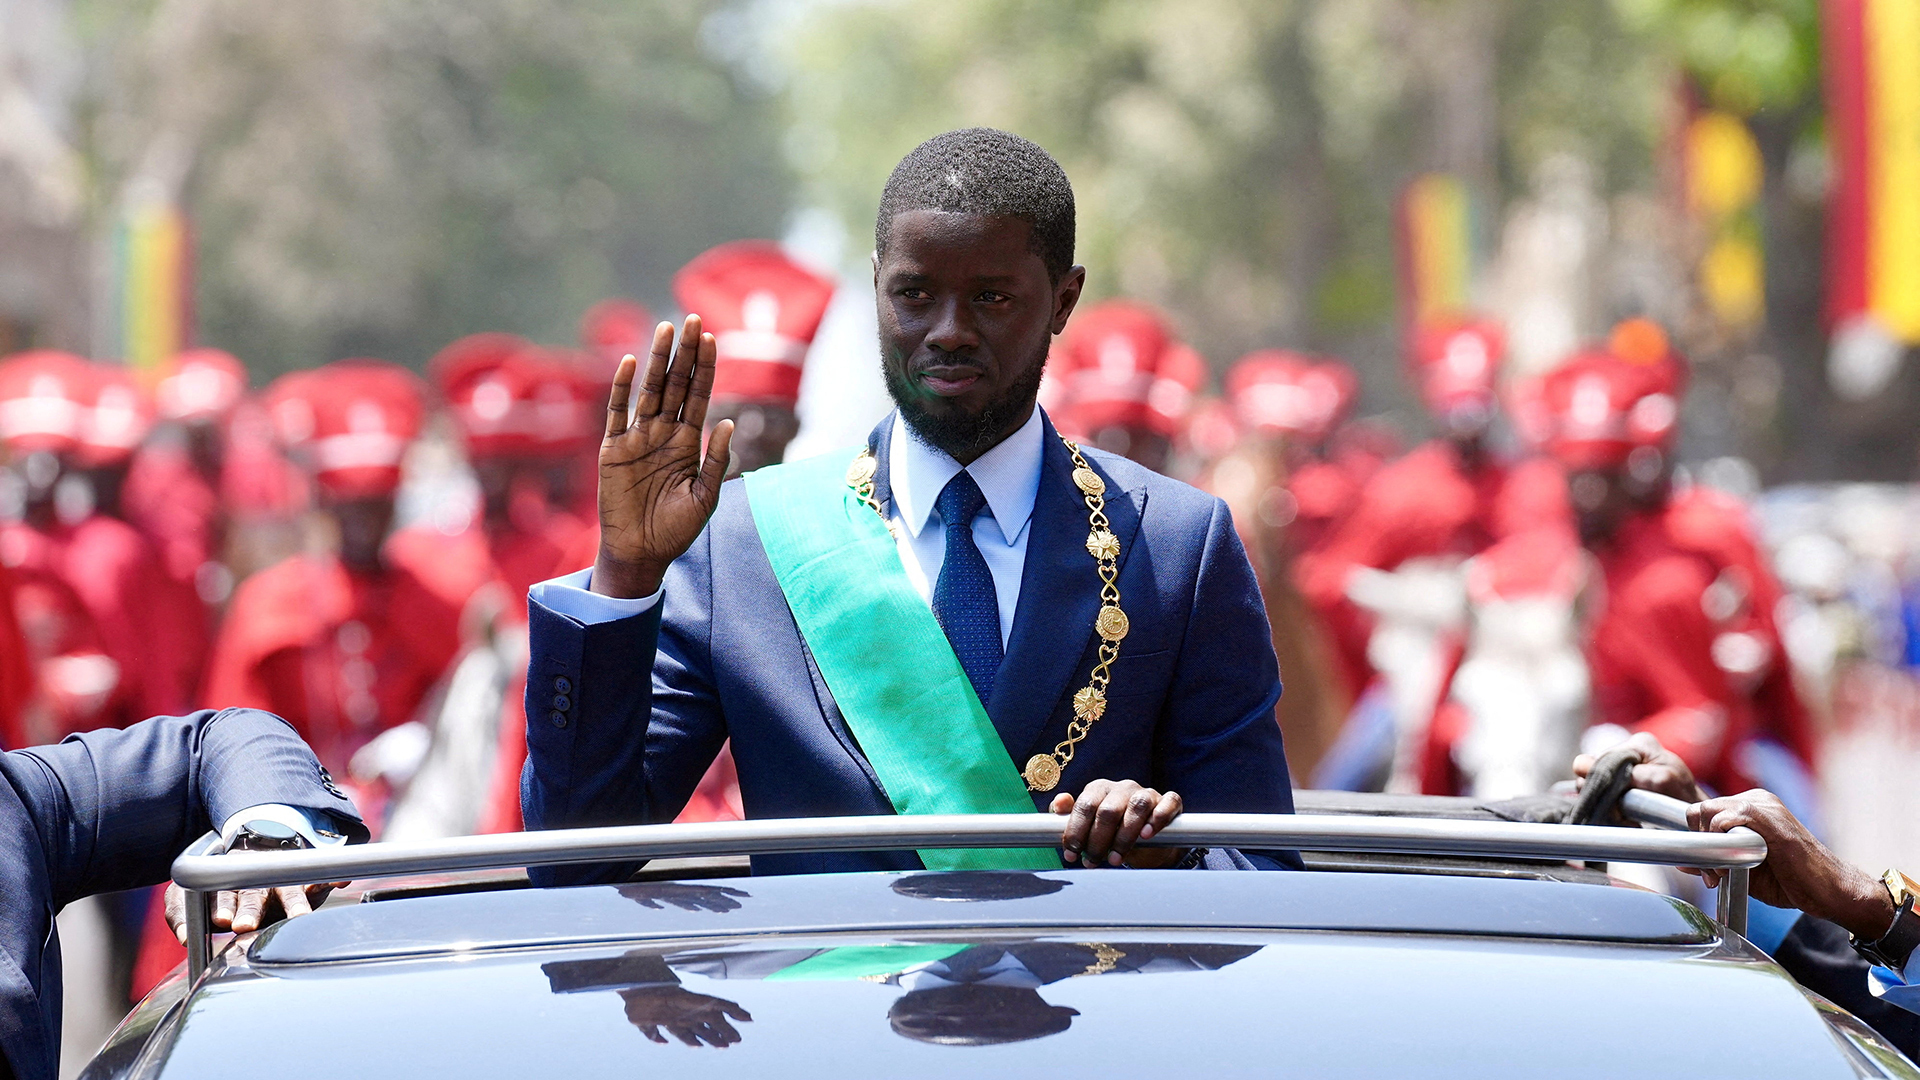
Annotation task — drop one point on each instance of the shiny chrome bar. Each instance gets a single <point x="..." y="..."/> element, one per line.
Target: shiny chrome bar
<point x="1406" y="835"/>
<point x="202" y="873"/>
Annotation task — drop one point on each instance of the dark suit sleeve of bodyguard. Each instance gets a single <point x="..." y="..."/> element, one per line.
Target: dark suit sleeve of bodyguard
<point x="114" y="807"/>
<point x="642" y="719"/>
<point x="1218" y="743"/>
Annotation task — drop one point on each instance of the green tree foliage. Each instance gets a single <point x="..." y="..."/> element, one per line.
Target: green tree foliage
<point x="380" y="176"/>
<point x="1236" y="161"/>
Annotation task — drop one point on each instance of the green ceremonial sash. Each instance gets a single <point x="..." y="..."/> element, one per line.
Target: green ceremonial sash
<point x="860" y="961"/>
<point x="887" y="662"/>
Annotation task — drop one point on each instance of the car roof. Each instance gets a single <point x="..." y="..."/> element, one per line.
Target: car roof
<point x="901" y="902"/>
<point x="1009" y="1003"/>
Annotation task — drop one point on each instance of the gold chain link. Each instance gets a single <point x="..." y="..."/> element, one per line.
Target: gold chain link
<point x="1042" y="771"/>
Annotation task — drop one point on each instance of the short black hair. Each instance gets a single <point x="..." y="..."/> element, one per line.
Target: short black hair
<point x="984" y="171"/>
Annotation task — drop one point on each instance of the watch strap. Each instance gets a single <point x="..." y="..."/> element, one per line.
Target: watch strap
<point x="1895" y="948"/>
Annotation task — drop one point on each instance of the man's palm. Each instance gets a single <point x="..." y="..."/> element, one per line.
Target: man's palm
<point x="656" y="489"/>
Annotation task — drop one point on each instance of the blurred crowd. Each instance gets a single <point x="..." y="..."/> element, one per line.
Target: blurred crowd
<point x="351" y="547"/>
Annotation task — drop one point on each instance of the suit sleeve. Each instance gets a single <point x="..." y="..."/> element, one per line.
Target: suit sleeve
<point x="1218" y="743"/>
<point x="622" y="716"/>
<point x="113" y="807"/>
<point x="1818" y="955"/>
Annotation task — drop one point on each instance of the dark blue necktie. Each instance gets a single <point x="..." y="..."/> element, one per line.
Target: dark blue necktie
<point x="964" y="600"/>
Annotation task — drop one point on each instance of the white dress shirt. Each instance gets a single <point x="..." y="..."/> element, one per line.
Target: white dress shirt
<point x="1008" y="475"/>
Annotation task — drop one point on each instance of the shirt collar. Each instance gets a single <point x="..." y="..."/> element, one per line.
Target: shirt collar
<point x="1008" y="475"/>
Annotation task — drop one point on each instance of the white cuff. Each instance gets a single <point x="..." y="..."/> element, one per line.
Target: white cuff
<point x="316" y="827"/>
<point x="569" y="595"/>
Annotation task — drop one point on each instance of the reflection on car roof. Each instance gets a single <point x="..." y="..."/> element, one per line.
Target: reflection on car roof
<point x="981" y="900"/>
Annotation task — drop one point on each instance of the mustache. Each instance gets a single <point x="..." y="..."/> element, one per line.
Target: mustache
<point x="937" y="358"/>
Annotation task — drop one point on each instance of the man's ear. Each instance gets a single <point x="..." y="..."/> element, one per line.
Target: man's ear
<point x="1066" y="295"/>
<point x="874" y="257"/>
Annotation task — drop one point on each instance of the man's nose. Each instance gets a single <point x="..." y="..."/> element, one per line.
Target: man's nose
<point x="953" y="328"/>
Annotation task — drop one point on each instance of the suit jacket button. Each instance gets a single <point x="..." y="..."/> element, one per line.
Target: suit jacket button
<point x="562" y="702"/>
<point x="559" y="718"/>
<point x="563" y="685"/>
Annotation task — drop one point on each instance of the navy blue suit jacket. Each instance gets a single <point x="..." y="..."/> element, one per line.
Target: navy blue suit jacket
<point x="624" y="717"/>
<point x="109" y="810"/>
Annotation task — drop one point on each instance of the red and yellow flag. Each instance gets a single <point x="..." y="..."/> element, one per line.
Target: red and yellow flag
<point x="154" y="254"/>
<point x="1872" y="64"/>
<point x="1436" y="248"/>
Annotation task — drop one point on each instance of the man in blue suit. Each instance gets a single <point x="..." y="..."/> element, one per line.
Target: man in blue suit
<point x="899" y="628"/>
<point x="109" y="810"/>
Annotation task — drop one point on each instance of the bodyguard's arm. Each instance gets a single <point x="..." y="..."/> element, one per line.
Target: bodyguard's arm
<point x="113" y="808"/>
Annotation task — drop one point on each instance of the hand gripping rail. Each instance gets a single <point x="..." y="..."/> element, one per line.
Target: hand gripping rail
<point x="202" y="873"/>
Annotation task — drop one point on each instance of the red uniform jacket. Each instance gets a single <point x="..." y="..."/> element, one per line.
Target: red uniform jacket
<point x="167" y="499"/>
<point x="156" y="636"/>
<point x="1684" y="643"/>
<point x="1425" y="505"/>
<point x="341" y="655"/>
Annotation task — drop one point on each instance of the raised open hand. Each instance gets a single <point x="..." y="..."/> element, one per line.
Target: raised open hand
<point x="656" y="490"/>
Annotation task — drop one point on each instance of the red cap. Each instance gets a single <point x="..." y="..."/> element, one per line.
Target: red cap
<point x="615" y="327"/>
<point x="1457" y="363"/>
<point x="1280" y="392"/>
<point x="762" y="309"/>
<point x="1212" y="429"/>
<point x="117" y="419"/>
<point x="1598" y="408"/>
<point x="1121" y="365"/>
<point x="201" y="384"/>
<point x="44" y="398"/>
<point x="350" y="423"/>
<point x="510" y="398"/>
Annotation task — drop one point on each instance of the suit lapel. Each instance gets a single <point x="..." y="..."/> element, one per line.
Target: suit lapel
<point x="880" y="445"/>
<point x="1059" y="597"/>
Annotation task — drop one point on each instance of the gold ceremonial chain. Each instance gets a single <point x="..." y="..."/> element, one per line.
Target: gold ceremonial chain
<point x="1104" y="958"/>
<point x="1043" y="770"/>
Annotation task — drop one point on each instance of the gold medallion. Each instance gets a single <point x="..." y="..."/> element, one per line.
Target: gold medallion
<point x="1089" y="481"/>
<point x="1089" y="704"/>
<point x="1111" y="623"/>
<point x="861" y="470"/>
<point x="1042" y="772"/>
<point x="1102" y="544"/>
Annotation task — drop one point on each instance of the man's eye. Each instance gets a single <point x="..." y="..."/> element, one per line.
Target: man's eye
<point x="911" y="293"/>
<point x="991" y="297"/>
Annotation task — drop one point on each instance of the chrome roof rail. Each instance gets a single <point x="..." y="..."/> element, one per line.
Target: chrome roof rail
<point x="202" y="873"/>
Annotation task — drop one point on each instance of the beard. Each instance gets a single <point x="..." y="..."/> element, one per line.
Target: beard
<point x="961" y="435"/>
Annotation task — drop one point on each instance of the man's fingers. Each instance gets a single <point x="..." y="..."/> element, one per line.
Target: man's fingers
<point x="173" y="903"/>
<point x="1073" y="837"/>
<point x="705" y="361"/>
<point x="1170" y="806"/>
<point x="224" y="902"/>
<point x="1107" y="819"/>
<point x="680" y="372"/>
<point x="617" y="400"/>
<point x="652" y="1032"/>
<point x="735" y="1011"/>
<point x="1583" y="765"/>
<point x="1140" y="808"/>
<point x="713" y="471"/>
<point x="251" y="911"/>
<point x="655" y="379"/>
<point x="293" y="900"/>
<point x="1062" y="804"/>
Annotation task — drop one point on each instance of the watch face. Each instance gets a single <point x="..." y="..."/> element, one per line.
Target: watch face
<point x="1901" y="886"/>
<point x="265" y="835"/>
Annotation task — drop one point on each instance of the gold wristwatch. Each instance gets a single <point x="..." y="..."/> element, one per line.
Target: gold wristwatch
<point x="1895" y="947"/>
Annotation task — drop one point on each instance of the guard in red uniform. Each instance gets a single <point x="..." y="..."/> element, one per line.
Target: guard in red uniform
<point x="520" y="411"/>
<point x="1684" y="643"/>
<point x="68" y="423"/>
<point x="1285" y="496"/>
<point x="763" y="310"/>
<point x="1394" y="562"/>
<point x="1123" y="382"/>
<point x="344" y="643"/>
<point x="173" y="487"/>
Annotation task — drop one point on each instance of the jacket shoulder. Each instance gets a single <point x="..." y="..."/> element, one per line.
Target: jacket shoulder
<point x="1170" y="502"/>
